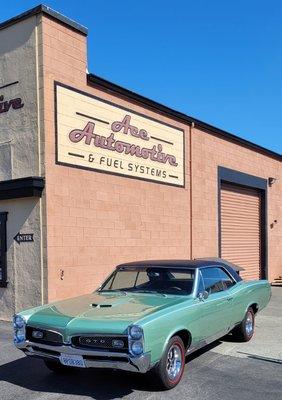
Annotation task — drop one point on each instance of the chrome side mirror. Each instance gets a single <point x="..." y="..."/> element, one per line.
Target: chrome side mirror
<point x="203" y="295"/>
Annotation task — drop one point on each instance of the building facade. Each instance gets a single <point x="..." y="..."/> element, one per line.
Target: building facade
<point x="92" y="175"/>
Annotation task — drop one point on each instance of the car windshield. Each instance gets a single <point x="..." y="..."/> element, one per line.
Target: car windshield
<point x="164" y="280"/>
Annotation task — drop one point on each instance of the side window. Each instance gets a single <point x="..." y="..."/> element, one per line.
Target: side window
<point x="3" y="249"/>
<point x="216" y="279"/>
<point x="225" y="278"/>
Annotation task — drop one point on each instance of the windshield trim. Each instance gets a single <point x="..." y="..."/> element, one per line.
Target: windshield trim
<point x="142" y="268"/>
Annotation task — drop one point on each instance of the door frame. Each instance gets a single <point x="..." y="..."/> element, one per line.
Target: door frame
<point x="238" y="178"/>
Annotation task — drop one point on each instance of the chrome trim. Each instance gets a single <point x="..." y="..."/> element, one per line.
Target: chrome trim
<point x="131" y="340"/>
<point x="220" y="267"/>
<point x="196" y="283"/>
<point x="99" y="334"/>
<point x="140" y="363"/>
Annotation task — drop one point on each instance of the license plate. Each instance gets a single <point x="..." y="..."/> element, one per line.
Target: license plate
<point x="72" y="360"/>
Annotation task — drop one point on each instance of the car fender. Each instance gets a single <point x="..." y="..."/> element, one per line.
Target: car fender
<point x="173" y="332"/>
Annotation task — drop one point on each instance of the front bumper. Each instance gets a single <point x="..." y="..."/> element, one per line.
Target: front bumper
<point x="92" y="358"/>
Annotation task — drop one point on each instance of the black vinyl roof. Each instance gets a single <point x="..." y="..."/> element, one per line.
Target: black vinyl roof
<point x="196" y="263"/>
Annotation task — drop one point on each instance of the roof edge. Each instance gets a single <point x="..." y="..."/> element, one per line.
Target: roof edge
<point x="41" y="8"/>
<point x="155" y="106"/>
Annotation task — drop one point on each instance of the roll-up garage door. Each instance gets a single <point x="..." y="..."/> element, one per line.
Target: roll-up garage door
<point x="241" y="228"/>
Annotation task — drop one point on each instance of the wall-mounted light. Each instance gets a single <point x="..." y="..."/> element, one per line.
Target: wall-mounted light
<point x="271" y="181"/>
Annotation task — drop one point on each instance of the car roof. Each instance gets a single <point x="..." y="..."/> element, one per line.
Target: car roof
<point x="192" y="264"/>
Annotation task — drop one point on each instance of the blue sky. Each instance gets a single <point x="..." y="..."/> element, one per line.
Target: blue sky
<point x="218" y="61"/>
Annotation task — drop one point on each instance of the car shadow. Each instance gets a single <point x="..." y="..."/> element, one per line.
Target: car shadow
<point x="32" y="374"/>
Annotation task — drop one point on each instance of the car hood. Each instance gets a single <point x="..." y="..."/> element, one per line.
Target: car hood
<point x="102" y="313"/>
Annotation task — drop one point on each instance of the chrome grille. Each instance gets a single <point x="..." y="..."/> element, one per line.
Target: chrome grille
<point x="100" y="342"/>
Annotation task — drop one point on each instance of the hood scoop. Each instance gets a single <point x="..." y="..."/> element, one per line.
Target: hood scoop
<point x="101" y="305"/>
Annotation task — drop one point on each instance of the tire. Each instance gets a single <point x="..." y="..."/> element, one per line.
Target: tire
<point x="169" y="370"/>
<point x="57" y="367"/>
<point x="245" y="331"/>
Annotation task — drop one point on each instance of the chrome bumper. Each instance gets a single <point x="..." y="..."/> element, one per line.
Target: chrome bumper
<point x="92" y="358"/>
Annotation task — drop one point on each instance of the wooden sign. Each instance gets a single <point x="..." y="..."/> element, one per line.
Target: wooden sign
<point x="95" y="134"/>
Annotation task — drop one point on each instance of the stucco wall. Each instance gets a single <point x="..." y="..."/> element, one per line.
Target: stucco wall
<point x="19" y="157"/>
<point x="24" y="272"/>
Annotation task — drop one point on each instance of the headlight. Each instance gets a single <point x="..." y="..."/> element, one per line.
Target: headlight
<point x="136" y="340"/>
<point x="19" y="322"/>
<point x="19" y="329"/>
<point x="135" y="332"/>
<point x="19" y="336"/>
<point x="137" y="348"/>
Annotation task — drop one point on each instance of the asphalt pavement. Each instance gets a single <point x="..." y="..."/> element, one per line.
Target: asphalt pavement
<point x="225" y="370"/>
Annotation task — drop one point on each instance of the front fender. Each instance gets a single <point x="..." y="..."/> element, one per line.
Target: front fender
<point x="157" y="341"/>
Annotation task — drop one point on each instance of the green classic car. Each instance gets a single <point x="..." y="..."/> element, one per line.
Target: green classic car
<point x="145" y="317"/>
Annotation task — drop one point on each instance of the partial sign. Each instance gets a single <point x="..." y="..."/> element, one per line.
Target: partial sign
<point x="24" y="237"/>
<point x="9" y="104"/>
<point x="95" y="134"/>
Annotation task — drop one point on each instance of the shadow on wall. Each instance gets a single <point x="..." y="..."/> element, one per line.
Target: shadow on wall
<point x="21" y="215"/>
<point x="16" y="36"/>
<point x="23" y="260"/>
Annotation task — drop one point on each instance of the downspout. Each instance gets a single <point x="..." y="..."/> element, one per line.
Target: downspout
<point x="191" y="188"/>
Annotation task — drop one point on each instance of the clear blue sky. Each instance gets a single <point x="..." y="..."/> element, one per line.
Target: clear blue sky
<point x="218" y="61"/>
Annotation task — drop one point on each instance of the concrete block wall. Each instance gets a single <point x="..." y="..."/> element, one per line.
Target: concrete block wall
<point x="94" y="220"/>
<point x="209" y="152"/>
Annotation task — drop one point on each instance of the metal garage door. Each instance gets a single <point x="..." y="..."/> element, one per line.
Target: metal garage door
<point x="241" y="228"/>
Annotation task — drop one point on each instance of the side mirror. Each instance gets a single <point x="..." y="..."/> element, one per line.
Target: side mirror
<point x="203" y="295"/>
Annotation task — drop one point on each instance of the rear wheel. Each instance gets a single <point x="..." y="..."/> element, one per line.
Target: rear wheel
<point x="170" y="369"/>
<point x="57" y="367"/>
<point x="245" y="331"/>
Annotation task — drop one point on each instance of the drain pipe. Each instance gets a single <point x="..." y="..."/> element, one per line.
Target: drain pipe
<point x="191" y="188"/>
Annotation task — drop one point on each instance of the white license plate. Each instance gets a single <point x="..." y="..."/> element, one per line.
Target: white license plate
<point x="72" y="360"/>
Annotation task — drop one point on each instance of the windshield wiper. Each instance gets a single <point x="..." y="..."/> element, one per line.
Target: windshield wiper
<point x="124" y="291"/>
<point x="150" y="291"/>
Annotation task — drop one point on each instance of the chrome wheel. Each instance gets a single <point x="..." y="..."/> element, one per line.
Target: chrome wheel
<point x="249" y="323"/>
<point x="174" y="362"/>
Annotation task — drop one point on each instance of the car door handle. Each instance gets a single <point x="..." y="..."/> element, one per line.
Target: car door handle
<point x="229" y="298"/>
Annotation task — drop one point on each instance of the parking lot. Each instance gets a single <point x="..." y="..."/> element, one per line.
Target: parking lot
<point x="226" y="370"/>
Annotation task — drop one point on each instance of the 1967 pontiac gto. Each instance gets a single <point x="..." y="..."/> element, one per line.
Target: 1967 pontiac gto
<point x="145" y="317"/>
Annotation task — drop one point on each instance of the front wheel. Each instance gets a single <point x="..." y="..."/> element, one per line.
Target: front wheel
<point x="170" y="368"/>
<point x="245" y="331"/>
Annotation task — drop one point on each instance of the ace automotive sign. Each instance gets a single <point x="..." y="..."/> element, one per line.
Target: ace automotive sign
<point x="92" y="133"/>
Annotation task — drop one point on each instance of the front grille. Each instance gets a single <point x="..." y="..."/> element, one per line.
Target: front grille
<point x="49" y="337"/>
<point x="100" y="342"/>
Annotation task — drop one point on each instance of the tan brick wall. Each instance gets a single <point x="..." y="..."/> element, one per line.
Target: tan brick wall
<point x="209" y="151"/>
<point x="94" y="220"/>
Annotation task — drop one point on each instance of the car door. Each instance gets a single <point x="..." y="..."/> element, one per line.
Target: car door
<point x="216" y="309"/>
